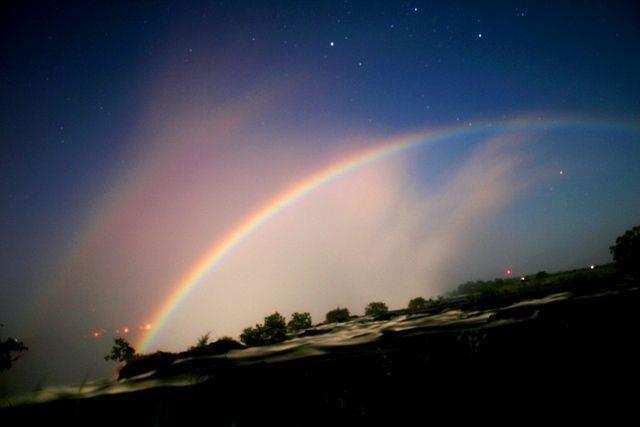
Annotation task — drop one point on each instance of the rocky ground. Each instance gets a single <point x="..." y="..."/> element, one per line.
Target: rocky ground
<point x="570" y="353"/>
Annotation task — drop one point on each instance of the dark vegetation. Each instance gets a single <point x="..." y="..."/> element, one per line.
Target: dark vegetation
<point x="626" y="253"/>
<point x="121" y="351"/>
<point x="574" y="358"/>
<point x="337" y="315"/>
<point x="272" y="331"/>
<point x="487" y="293"/>
<point x="533" y="353"/>
<point x="419" y="304"/>
<point x="299" y="322"/>
<point x="375" y="309"/>
<point x="202" y="341"/>
<point x="10" y="350"/>
<point x="144" y="363"/>
<point x="480" y="294"/>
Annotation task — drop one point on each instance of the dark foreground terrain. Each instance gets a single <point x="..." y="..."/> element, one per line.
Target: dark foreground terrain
<point x="559" y="354"/>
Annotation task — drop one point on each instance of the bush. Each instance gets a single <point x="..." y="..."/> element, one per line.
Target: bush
<point x="299" y="322"/>
<point x="220" y="346"/>
<point x="418" y="304"/>
<point x="626" y="252"/>
<point x="202" y="341"/>
<point x="224" y="345"/>
<point x="542" y="275"/>
<point x="252" y="336"/>
<point x="146" y="363"/>
<point x="338" y="315"/>
<point x="275" y="328"/>
<point x="375" y="308"/>
<point x="8" y="346"/>
<point x="121" y="351"/>
<point x="272" y="331"/>
<point x="486" y="295"/>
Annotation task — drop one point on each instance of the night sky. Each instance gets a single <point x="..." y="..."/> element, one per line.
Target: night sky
<point x="134" y="135"/>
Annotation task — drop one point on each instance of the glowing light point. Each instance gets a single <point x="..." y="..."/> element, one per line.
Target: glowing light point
<point x="125" y="330"/>
<point x="96" y="334"/>
<point x="479" y="35"/>
<point x="331" y="44"/>
<point x="523" y="278"/>
<point x="592" y="266"/>
<point x="509" y="272"/>
<point x="561" y="172"/>
<point x="147" y="326"/>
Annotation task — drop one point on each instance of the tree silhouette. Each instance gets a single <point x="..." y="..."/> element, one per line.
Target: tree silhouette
<point x="203" y="340"/>
<point x="252" y="336"/>
<point x="299" y="321"/>
<point x="121" y="351"/>
<point x="626" y="252"/>
<point x="273" y="330"/>
<point x="7" y="347"/>
<point x="338" y="315"/>
<point x="417" y="304"/>
<point x="375" y="308"/>
<point x="542" y="275"/>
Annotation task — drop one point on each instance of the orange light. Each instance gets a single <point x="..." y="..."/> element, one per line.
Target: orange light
<point x="147" y="326"/>
<point x="96" y="334"/>
<point x="126" y="330"/>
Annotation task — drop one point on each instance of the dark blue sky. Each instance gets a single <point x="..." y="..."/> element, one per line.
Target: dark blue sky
<point x="74" y="73"/>
<point x="87" y="87"/>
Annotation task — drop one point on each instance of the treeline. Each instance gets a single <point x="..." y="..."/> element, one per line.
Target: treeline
<point x="275" y="328"/>
<point x="574" y="280"/>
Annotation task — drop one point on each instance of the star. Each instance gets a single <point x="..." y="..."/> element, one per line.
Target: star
<point x="331" y="44"/>
<point x="479" y="35"/>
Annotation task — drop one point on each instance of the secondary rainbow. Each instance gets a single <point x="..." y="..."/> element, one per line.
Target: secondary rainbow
<point x="242" y="230"/>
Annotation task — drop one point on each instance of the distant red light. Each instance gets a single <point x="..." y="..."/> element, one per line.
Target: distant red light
<point x="509" y="272"/>
<point x="125" y="330"/>
<point x="96" y="334"/>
